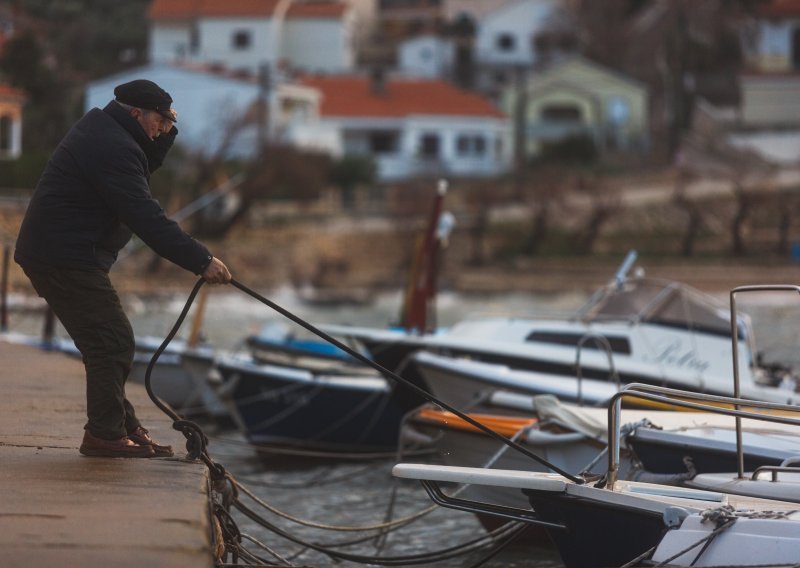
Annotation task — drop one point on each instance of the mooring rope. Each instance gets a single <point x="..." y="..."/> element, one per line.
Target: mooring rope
<point x="404" y="560"/>
<point x="228" y="488"/>
<point x="197" y="441"/>
<point x="386" y="372"/>
<point x="354" y="456"/>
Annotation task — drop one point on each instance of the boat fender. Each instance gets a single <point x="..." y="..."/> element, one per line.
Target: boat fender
<point x="411" y="436"/>
<point x="667" y="478"/>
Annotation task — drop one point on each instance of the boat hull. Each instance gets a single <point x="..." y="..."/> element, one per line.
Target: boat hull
<point x="288" y="407"/>
<point x="597" y="534"/>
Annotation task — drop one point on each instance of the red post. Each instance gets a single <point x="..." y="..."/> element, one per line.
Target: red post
<point x="421" y="289"/>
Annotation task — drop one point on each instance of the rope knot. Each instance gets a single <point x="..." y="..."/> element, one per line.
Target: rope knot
<point x="196" y="440"/>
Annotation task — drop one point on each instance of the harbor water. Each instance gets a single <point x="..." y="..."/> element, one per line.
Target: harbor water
<point x="348" y="493"/>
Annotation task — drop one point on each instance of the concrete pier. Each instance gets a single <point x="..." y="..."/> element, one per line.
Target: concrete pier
<point x="58" y="508"/>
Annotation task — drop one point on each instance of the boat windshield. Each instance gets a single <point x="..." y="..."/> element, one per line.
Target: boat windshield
<point x="658" y="301"/>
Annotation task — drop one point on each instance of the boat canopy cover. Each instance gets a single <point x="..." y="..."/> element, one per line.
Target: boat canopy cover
<point x="658" y="301"/>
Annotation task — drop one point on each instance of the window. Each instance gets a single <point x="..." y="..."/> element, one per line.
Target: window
<point x="429" y="146"/>
<point x="618" y="110"/>
<point x="242" y="40"/>
<point x="618" y="344"/>
<point x="471" y="145"/>
<point x="6" y="134"/>
<point x="500" y="78"/>
<point x="795" y="48"/>
<point x="506" y="42"/>
<point x="561" y="113"/>
<point x="383" y="142"/>
<point x="499" y="148"/>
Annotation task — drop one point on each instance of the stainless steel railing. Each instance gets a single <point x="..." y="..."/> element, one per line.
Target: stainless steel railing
<point x="675" y="397"/>
<point x="735" y="343"/>
<point x="601" y="340"/>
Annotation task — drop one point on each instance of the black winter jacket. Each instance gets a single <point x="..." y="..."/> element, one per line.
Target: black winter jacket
<point x="94" y="191"/>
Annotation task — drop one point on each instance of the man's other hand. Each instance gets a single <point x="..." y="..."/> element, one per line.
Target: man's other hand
<point x="216" y="272"/>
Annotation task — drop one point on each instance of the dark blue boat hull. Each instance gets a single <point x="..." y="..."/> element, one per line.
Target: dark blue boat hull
<point x="275" y="409"/>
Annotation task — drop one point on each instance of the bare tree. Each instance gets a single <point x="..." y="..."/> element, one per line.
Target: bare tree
<point x="603" y="206"/>
<point x="694" y="210"/>
<point x="684" y="50"/>
<point x="786" y="204"/>
<point x="544" y="189"/>
<point x="744" y="202"/>
<point x="480" y="202"/>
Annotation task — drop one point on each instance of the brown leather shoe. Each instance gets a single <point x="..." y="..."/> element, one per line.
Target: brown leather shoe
<point x="142" y="437"/>
<point x="119" y="448"/>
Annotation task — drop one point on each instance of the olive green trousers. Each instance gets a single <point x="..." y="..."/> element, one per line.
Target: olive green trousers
<point x="89" y="308"/>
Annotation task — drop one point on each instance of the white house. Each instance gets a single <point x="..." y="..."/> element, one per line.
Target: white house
<point x="425" y="56"/>
<point x="503" y="48"/>
<point x="215" y="110"/>
<point x="769" y="108"/>
<point x="312" y="36"/>
<point x="413" y="127"/>
<point x="504" y="40"/>
<point x="770" y="39"/>
<point x="771" y="46"/>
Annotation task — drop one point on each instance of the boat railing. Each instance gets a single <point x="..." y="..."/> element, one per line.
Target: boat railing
<point x="773" y="470"/>
<point x="735" y="343"/>
<point x="790" y="461"/>
<point x="684" y="399"/>
<point x="789" y="465"/>
<point x="602" y="341"/>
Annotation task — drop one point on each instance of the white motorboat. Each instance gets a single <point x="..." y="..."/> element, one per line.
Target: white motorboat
<point x="463" y="383"/>
<point x="734" y="520"/>
<point x="599" y="527"/>
<point x="655" y="443"/>
<point x="633" y="330"/>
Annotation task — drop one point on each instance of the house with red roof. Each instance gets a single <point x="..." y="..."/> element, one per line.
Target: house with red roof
<point x="216" y="108"/>
<point x="412" y="127"/>
<point x="409" y="127"/>
<point x="317" y="36"/>
<point x="11" y="101"/>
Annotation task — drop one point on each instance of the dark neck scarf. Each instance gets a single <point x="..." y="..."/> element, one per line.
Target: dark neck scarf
<point x="155" y="150"/>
